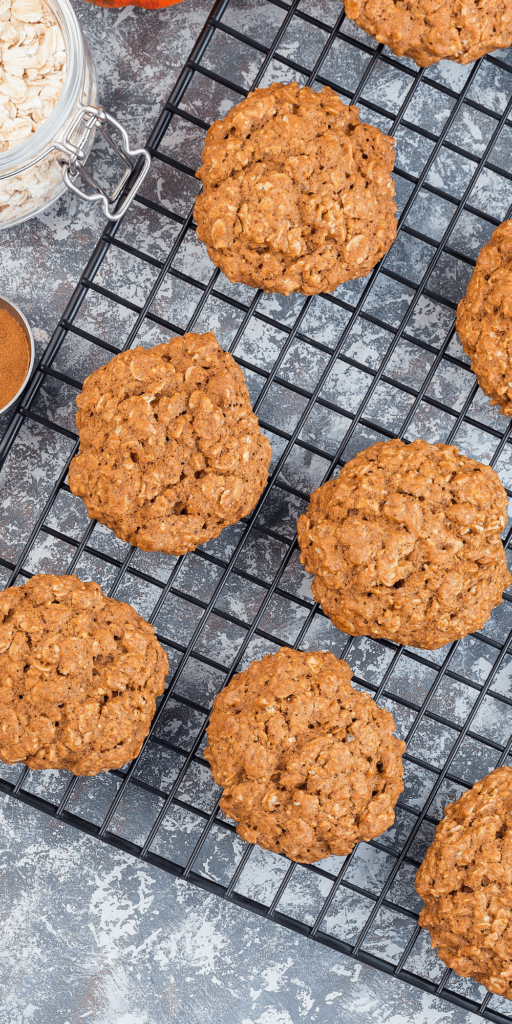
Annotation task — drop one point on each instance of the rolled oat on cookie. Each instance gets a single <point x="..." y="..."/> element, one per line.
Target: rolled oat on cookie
<point x="465" y="881"/>
<point x="484" y="318"/>
<point x="170" y="449"/>
<point x="405" y="544"/>
<point x="297" y="193"/>
<point x="428" y="31"/>
<point x="309" y="766"/>
<point x="79" y="676"/>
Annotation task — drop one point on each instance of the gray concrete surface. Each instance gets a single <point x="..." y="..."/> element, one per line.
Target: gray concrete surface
<point x="89" y="935"/>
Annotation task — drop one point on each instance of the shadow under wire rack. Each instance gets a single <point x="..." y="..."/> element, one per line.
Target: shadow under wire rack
<point x="328" y="375"/>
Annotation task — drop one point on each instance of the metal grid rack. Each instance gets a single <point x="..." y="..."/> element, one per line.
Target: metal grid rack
<point x="328" y="375"/>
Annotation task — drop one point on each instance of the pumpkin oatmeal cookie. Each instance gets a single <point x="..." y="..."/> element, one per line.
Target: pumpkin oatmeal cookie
<point x="170" y="450"/>
<point x="79" y="676"/>
<point x="297" y="193"/>
<point x="405" y="544"/>
<point x="466" y="883"/>
<point x="309" y="766"/>
<point x="484" y="318"/>
<point x="428" y="31"/>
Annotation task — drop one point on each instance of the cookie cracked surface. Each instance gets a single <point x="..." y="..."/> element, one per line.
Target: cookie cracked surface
<point x="79" y="676"/>
<point x="484" y="318"/>
<point x="297" y="193"/>
<point x="170" y="449"/>
<point x="405" y="544"/>
<point x="309" y="765"/>
<point x="466" y="883"/>
<point x="428" y="31"/>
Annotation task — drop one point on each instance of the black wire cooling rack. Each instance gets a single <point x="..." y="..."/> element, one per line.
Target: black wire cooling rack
<point x="328" y="375"/>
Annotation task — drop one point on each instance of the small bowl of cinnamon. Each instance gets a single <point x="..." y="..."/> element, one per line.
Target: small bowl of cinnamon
<point x="16" y="353"/>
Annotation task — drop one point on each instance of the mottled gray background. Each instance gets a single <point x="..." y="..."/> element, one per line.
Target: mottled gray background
<point x="89" y="934"/>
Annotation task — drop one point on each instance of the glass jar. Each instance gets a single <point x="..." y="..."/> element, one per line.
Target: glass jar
<point x="37" y="171"/>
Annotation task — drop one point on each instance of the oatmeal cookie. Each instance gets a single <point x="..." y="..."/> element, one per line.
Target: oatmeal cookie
<point x="309" y="766"/>
<point x="79" y="676"/>
<point x="297" y="193"/>
<point x="405" y="544"/>
<point x="484" y="318"/>
<point x="170" y="450"/>
<point x="428" y="31"/>
<point x="466" y="884"/>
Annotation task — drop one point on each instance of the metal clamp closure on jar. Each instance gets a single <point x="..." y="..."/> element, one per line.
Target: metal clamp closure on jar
<point x="36" y="171"/>
<point x="74" y="158"/>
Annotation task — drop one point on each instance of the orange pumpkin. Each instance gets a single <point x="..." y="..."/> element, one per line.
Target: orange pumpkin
<point x="150" y="4"/>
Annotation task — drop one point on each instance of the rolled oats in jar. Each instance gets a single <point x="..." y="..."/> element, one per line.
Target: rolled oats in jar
<point x="32" y="72"/>
<point x="48" y="114"/>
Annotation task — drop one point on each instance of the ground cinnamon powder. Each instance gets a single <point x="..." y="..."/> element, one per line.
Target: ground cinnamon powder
<point x="14" y="357"/>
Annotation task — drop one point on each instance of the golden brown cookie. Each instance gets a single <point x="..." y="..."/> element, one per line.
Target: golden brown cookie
<point x="428" y="31"/>
<point x="309" y="765"/>
<point x="170" y="449"/>
<point x="79" y="676"/>
<point x="484" y="318"/>
<point x="466" y="883"/>
<point x="297" y="193"/>
<point x="405" y="544"/>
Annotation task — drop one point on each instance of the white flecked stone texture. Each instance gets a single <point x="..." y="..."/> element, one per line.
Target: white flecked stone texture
<point x="88" y="934"/>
